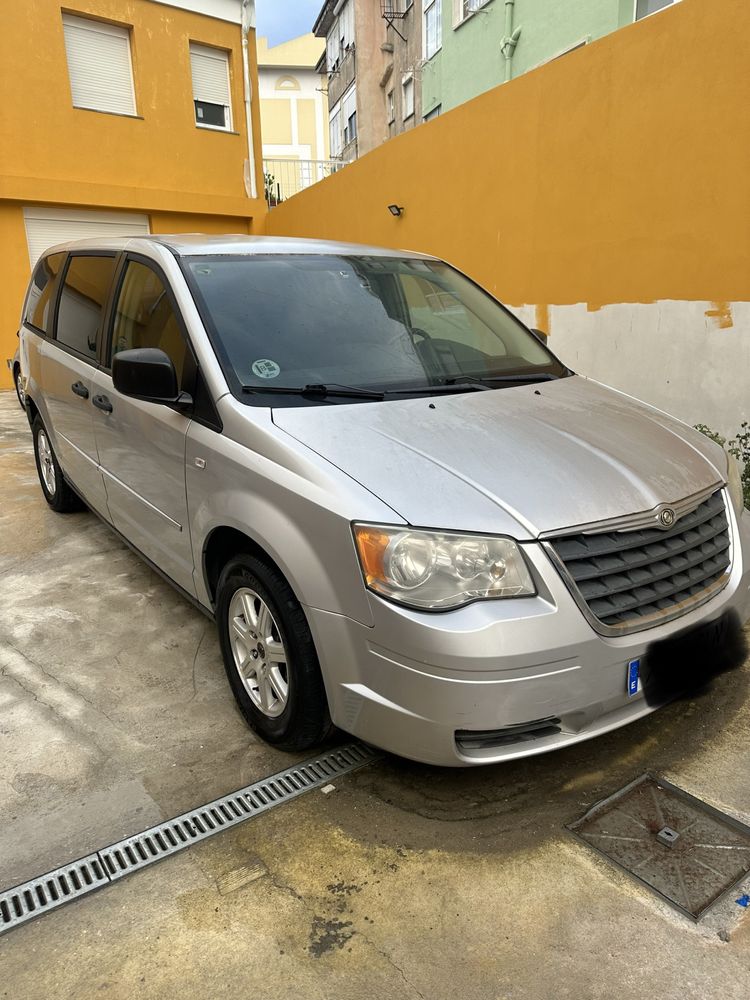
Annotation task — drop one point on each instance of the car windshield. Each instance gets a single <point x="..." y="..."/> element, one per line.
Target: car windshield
<point x="391" y="324"/>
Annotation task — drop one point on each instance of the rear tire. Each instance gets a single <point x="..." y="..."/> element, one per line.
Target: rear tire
<point x="17" y="384"/>
<point x="56" y="490"/>
<point x="270" y="657"/>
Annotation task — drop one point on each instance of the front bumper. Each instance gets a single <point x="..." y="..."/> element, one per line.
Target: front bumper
<point x="412" y="681"/>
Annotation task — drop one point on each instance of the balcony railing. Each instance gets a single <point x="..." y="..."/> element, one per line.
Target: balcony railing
<point x="284" y="178"/>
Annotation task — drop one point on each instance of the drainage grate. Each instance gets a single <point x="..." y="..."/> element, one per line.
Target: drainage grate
<point x="40" y="895"/>
<point x="681" y="848"/>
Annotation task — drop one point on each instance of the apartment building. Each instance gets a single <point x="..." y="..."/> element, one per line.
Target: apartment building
<point x="293" y="115"/>
<point x="470" y="46"/>
<point x="123" y="117"/>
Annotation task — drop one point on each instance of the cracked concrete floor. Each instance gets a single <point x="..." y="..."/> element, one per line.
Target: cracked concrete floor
<point x="406" y="881"/>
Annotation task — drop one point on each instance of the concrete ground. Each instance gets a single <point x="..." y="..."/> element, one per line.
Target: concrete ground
<point x="406" y="881"/>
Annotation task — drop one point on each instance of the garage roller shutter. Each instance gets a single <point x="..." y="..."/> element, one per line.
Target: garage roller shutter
<point x="101" y="76"/>
<point x="47" y="226"/>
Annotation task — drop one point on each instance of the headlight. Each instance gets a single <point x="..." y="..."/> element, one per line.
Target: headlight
<point x="734" y="483"/>
<point x="438" y="570"/>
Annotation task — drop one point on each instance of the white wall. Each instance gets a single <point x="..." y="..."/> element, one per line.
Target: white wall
<point x="310" y="89"/>
<point x="691" y="359"/>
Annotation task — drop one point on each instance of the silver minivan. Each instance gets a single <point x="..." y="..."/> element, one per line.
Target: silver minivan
<point x="407" y="517"/>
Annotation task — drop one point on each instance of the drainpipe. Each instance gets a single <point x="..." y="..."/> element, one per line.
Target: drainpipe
<point x="509" y="42"/>
<point x="248" y="22"/>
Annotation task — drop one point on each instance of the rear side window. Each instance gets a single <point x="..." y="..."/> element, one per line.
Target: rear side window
<point x="42" y="285"/>
<point x="144" y="317"/>
<point x="82" y="299"/>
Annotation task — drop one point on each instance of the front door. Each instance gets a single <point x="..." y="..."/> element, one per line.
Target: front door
<point x="142" y="445"/>
<point x="68" y="364"/>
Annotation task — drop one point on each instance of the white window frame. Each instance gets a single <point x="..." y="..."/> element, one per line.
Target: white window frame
<point x="408" y="78"/>
<point x="653" y="12"/>
<point x="83" y="23"/>
<point x="433" y="113"/>
<point x="460" y="17"/>
<point x="428" y="5"/>
<point x="212" y="52"/>
<point x="390" y="106"/>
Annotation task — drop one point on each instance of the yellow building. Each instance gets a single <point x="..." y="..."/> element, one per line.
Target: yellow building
<point x="119" y="117"/>
<point x="294" y="113"/>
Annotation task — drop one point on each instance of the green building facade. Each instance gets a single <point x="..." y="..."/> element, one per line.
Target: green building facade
<point x="483" y="44"/>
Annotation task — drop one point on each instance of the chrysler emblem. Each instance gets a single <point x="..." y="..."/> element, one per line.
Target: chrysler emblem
<point x="666" y="517"/>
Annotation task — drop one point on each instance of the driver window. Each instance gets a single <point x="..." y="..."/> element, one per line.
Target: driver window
<point x="144" y="317"/>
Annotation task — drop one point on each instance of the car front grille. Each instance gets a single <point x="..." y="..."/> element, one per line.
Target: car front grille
<point x="633" y="579"/>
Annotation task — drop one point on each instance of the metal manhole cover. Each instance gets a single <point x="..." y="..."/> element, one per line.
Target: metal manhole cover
<point x="686" y="851"/>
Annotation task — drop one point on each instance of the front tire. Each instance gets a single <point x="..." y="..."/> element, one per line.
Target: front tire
<point x="270" y="657"/>
<point x="56" y="490"/>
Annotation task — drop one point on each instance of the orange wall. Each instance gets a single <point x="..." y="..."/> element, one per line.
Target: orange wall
<point x="619" y="173"/>
<point x="56" y="153"/>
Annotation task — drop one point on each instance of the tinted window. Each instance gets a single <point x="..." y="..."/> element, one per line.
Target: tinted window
<point x="82" y="300"/>
<point x="372" y="322"/>
<point x="144" y="317"/>
<point x="42" y="285"/>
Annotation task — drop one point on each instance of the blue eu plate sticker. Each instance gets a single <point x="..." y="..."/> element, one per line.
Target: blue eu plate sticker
<point x="634" y="678"/>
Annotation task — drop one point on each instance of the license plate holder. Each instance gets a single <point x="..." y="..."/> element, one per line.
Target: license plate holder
<point x="686" y="663"/>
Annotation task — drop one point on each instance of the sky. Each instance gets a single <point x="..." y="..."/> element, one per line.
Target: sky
<point x="281" y="20"/>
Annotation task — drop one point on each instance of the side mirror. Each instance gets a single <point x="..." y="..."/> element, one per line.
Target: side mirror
<point x="147" y="373"/>
<point x="540" y="335"/>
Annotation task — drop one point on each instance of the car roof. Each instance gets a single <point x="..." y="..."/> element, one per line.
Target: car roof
<point x="194" y="244"/>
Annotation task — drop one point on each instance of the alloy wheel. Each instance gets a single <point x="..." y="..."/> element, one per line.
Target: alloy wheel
<point x="259" y="653"/>
<point x="46" y="462"/>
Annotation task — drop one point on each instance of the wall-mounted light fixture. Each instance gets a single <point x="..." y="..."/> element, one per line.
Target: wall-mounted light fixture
<point x="396" y="210"/>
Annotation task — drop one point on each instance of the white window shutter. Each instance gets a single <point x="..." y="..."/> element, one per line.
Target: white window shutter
<point x="101" y="75"/>
<point x="210" y="75"/>
<point x="349" y="103"/>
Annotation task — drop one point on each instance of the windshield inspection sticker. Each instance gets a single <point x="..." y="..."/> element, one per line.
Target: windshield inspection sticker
<point x="265" y="368"/>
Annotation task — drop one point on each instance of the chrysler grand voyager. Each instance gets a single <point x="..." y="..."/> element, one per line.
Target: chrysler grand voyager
<point x="407" y="517"/>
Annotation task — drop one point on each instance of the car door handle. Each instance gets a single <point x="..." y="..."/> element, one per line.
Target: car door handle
<point x="102" y="403"/>
<point x="80" y="390"/>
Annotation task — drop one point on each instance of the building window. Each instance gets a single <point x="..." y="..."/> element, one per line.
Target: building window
<point x="462" y="9"/>
<point x="349" y="115"/>
<point x="99" y="65"/>
<point x="433" y="29"/>
<point x="432" y="114"/>
<point x="210" y="68"/>
<point x="645" y="7"/>
<point x="390" y="106"/>
<point x="340" y="38"/>
<point x="407" y="96"/>
<point x="287" y="83"/>
<point x="334" y="129"/>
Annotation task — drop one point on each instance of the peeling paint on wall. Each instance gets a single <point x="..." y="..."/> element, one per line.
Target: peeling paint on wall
<point x="721" y="314"/>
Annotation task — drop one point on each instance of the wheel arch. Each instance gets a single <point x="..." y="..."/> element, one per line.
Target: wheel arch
<point x="221" y="545"/>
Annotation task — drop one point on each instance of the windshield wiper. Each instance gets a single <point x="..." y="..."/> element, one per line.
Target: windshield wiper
<point x="317" y="391"/>
<point x="489" y="380"/>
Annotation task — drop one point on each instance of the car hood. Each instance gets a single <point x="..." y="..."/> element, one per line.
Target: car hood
<point x="521" y="460"/>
